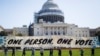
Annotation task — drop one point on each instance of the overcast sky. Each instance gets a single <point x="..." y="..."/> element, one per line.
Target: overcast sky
<point x="84" y="13"/>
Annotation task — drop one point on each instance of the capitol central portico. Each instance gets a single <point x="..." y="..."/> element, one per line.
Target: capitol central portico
<point x="47" y="29"/>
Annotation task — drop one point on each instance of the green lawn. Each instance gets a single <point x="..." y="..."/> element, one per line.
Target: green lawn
<point x="76" y="52"/>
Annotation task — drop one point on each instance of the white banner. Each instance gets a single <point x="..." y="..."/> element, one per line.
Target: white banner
<point x="51" y="41"/>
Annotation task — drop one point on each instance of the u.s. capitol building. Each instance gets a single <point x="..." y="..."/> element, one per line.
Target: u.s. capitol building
<point x="50" y="21"/>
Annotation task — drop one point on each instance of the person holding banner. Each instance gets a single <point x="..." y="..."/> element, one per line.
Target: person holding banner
<point x="59" y="51"/>
<point x="51" y="52"/>
<point x="92" y="51"/>
<point x="33" y="52"/>
<point x="13" y="51"/>
<point x="81" y="52"/>
<point x="24" y="52"/>
<point x="41" y="51"/>
<point x="70" y="51"/>
<point x="5" y="50"/>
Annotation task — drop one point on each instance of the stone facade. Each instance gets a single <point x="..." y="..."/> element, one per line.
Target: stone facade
<point x="20" y="31"/>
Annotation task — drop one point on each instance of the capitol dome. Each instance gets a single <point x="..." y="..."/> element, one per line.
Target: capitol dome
<point x="49" y="5"/>
<point x="50" y="12"/>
